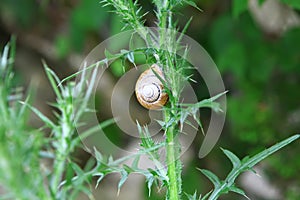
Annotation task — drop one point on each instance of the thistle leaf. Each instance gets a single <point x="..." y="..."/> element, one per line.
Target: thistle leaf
<point x="236" y="162"/>
<point x="205" y="196"/>
<point x="45" y="119"/>
<point x="193" y="4"/>
<point x="98" y="155"/>
<point x="191" y="197"/>
<point x="211" y="176"/>
<point x="130" y="57"/>
<point x="135" y="162"/>
<point x="239" y="167"/>
<point x="238" y="191"/>
<point x="54" y="80"/>
<point x="124" y="176"/>
<point x="150" y="180"/>
<point x="252" y="161"/>
<point x="101" y="176"/>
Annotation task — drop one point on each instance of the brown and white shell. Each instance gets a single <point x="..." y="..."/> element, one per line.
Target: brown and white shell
<point x="149" y="89"/>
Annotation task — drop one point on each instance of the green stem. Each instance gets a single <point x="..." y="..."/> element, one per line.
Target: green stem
<point x="58" y="170"/>
<point x="163" y="30"/>
<point x="163" y="23"/>
<point x="63" y="149"/>
<point x="172" y="144"/>
<point x="174" y="185"/>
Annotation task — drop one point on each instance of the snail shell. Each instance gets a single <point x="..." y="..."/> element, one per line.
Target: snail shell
<point x="149" y="89"/>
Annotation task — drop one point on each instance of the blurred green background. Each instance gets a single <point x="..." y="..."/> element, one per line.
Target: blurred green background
<point x="255" y="44"/>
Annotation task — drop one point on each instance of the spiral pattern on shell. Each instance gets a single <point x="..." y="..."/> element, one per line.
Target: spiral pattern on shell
<point x="149" y="89"/>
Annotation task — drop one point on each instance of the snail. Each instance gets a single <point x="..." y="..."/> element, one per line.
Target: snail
<point x="149" y="89"/>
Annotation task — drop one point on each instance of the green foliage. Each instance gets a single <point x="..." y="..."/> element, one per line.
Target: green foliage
<point x="192" y="109"/>
<point x="130" y="13"/>
<point x="19" y="145"/>
<point x="173" y="69"/>
<point x="174" y="77"/>
<point x="238" y="167"/>
<point x="22" y="148"/>
<point x="107" y="166"/>
<point x="175" y="112"/>
<point x="253" y="61"/>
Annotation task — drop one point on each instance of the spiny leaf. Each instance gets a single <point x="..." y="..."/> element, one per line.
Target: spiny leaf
<point x="236" y="162"/>
<point x="89" y="164"/>
<point x="250" y="162"/>
<point x="54" y="80"/>
<point x="129" y="169"/>
<point x="191" y="197"/>
<point x="77" y="169"/>
<point x="192" y="109"/>
<point x="84" y="70"/>
<point x="98" y="155"/>
<point x="24" y="107"/>
<point x="150" y="180"/>
<point x="238" y="191"/>
<point x="148" y="143"/>
<point x="5" y="59"/>
<point x="130" y="57"/>
<point x="93" y="130"/>
<point x="110" y="56"/>
<point x="211" y="176"/>
<point x="101" y="176"/>
<point x="205" y="196"/>
<point x="110" y="160"/>
<point x="209" y="103"/>
<point x="135" y="162"/>
<point x="183" y="31"/>
<point x="45" y="119"/>
<point x="124" y="176"/>
<point x="246" y="164"/>
<point x="193" y="4"/>
<point x="161" y="123"/>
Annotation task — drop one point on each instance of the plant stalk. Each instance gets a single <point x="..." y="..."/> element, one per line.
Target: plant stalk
<point x="173" y="172"/>
<point x="174" y="176"/>
<point x="163" y="23"/>
<point x="59" y="168"/>
<point x="63" y="149"/>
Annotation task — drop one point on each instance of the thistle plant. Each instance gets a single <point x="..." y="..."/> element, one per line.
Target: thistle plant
<point x="164" y="47"/>
<point x="20" y="145"/>
<point x="23" y="149"/>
